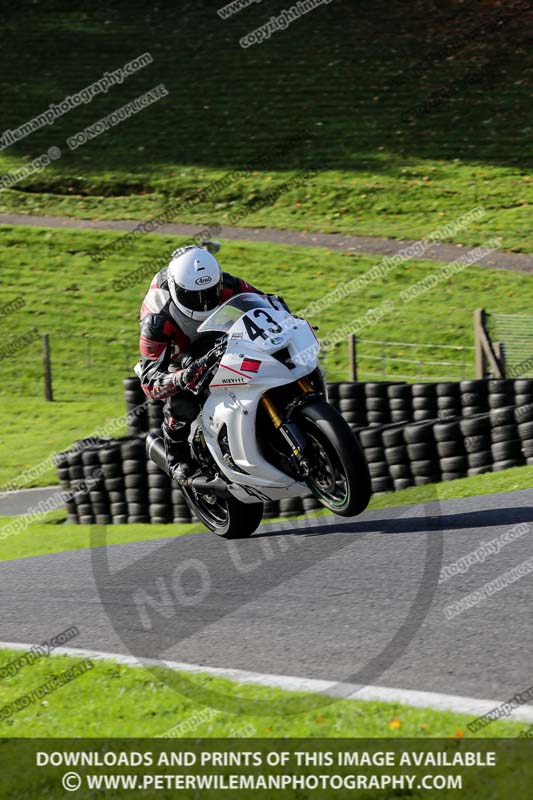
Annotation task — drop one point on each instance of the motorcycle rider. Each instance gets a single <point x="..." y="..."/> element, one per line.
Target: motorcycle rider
<point x="181" y="296"/>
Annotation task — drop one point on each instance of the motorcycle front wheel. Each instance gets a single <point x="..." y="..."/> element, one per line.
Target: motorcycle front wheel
<point x="338" y="472"/>
<point x="227" y="517"/>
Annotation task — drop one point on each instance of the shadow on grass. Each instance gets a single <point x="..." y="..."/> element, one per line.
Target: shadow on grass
<point x="424" y="79"/>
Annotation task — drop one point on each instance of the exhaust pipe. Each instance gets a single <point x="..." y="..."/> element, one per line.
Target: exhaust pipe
<point x="215" y="486"/>
<point x="155" y="450"/>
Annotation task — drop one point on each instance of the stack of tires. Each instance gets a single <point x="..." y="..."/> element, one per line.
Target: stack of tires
<point x="372" y="443"/>
<point x="291" y="507"/>
<point x="352" y="404"/>
<point x="80" y="474"/>
<point x="506" y="447"/>
<point x="376" y="403"/>
<point x="143" y="415"/>
<point x="66" y="484"/>
<point x="501" y="393"/>
<point x="84" y="478"/>
<point x="448" y="400"/>
<point x="180" y="510"/>
<point x="474" y="397"/>
<point x="524" y="420"/>
<point x="81" y="477"/>
<point x="424" y="401"/>
<point x="160" y="500"/>
<point x="110" y="458"/>
<point x="477" y="443"/>
<point x="400" y="402"/>
<point x="133" y="462"/>
<point x="271" y="509"/>
<point x="397" y="458"/>
<point x="453" y="458"/>
<point x="136" y="406"/>
<point x="422" y="453"/>
<point x="155" y="414"/>
<point x="310" y="503"/>
<point x="333" y="395"/>
<point x="523" y="389"/>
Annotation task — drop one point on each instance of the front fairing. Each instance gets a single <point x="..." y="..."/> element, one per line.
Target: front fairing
<point x="249" y="369"/>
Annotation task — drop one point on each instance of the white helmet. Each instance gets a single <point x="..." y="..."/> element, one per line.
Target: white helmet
<point x="195" y="281"/>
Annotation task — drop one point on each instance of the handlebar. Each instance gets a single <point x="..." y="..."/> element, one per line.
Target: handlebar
<point x="212" y="359"/>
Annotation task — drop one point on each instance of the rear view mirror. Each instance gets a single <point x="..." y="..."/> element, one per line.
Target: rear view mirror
<point x="211" y="245"/>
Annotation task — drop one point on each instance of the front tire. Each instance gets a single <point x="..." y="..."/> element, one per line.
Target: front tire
<point x="339" y="476"/>
<point x="227" y="517"/>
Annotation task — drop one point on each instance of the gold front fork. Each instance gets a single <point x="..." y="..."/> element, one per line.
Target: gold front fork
<point x="271" y="409"/>
<point x="305" y="385"/>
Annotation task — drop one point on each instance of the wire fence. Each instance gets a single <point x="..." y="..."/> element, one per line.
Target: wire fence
<point x="94" y="364"/>
<point x="515" y="334"/>
<point x="90" y="364"/>
<point x="426" y="361"/>
<point x="96" y="352"/>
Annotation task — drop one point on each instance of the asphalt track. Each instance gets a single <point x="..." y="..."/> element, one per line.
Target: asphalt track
<point x="24" y="500"/>
<point x="356" y="600"/>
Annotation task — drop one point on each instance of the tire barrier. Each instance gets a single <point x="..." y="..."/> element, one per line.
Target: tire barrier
<point x="419" y="453"/>
<point x="412" y="435"/>
<point x="111" y="481"/>
<point x="438" y="431"/>
<point x="374" y="404"/>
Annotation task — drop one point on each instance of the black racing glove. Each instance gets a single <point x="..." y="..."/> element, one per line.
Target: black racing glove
<point x="190" y="377"/>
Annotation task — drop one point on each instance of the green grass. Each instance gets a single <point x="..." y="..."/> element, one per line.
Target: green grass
<point x="388" y="166"/>
<point x="36" y="430"/>
<point x="114" y="700"/>
<point x="94" y="329"/>
<point x="53" y="536"/>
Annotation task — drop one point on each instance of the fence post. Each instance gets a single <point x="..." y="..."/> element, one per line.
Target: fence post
<point x="485" y="353"/>
<point x="352" y="356"/>
<point x="47" y="365"/>
<point x="499" y="349"/>
<point x="479" y="327"/>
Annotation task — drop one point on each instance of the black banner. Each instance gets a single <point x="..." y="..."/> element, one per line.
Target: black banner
<point x="266" y="768"/>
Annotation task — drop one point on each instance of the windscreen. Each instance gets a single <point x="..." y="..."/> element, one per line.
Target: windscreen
<point x="224" y="317"/>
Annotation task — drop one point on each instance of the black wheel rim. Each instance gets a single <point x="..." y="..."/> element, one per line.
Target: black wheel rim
<point x="326" y="473"/>
<point x="216" y="514"/>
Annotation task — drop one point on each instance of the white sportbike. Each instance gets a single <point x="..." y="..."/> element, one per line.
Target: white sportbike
<point x="265" y="430"/>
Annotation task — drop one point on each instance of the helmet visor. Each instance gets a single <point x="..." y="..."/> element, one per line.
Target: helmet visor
<point x="201" y="299"/>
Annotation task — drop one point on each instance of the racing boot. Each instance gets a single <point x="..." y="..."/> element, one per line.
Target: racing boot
<point x="177" y="451"/>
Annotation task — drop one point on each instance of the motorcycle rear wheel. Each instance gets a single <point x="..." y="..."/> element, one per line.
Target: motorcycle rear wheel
<point x="339" y="476"/>
<point x="226" y="517"/>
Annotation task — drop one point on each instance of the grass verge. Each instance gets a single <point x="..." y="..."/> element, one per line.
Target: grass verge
<point x="115" y="700"/>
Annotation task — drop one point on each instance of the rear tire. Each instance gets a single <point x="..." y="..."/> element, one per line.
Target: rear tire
<point x="228" y="517"/>
<point x="342" y="455"/>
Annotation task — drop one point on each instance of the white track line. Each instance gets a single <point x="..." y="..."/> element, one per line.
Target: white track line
<point x="435" y="700"/>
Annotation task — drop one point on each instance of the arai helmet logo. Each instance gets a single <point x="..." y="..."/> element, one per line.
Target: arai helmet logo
<point x="203" y="280"/>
